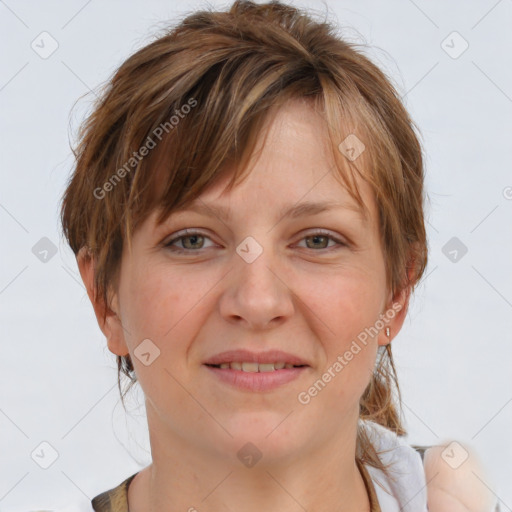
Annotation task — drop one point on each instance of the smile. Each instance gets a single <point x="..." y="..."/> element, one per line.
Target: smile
<point x="254" y="367"/>
<point x="255" y="377"/>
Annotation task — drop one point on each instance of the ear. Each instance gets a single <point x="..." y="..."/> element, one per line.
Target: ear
<point x="109" y="323"/>
<point x="394" y="313"/>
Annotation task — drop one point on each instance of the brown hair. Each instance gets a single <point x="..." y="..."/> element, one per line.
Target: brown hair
<point x="201" y="93"/>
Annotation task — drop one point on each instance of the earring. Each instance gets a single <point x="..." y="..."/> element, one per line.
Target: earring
<point x="387" y="332"/>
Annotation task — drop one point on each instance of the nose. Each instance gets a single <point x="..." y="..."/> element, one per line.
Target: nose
<point x="257" y="293"/>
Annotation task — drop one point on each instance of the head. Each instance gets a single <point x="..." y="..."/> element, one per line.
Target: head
<point x="226" y="111"/>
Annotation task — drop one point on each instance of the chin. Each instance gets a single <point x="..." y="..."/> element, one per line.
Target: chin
<point x="264" y="433"/>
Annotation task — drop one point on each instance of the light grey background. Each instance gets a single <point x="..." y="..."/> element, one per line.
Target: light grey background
<point x="58" y="379"/>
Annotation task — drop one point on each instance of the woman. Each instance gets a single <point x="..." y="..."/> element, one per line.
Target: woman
<point x="247" y="215"/>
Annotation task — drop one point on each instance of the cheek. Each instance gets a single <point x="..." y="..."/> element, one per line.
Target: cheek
<point x="347" y="303"/>
<point x="349" y="306"/>
<point x="155" y="299"/>
<point x="167" y="307"/>
<point x="157" y="305"/>
<point x="150" y="306"/>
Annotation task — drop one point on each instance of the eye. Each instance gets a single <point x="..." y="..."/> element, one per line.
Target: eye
<point x="319" y="238"/>
<point x="191" y="240"/>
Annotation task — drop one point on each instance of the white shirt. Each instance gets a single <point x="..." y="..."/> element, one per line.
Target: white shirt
<point x="408" y="493"/>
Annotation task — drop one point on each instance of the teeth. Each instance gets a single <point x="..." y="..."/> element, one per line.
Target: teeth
<point x="250" y="367"/>
<point x="255" y="367"/>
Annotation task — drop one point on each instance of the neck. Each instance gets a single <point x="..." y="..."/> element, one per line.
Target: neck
<point x="184" y="477"/>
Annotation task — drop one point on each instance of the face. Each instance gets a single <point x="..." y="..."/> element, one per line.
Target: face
<point x="257" y="280"/>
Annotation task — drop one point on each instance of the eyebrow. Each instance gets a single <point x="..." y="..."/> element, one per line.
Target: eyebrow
<point x="298" y="210"/>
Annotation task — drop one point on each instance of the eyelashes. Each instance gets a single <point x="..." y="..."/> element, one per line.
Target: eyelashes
<point x="191" y="234"/>
<point x="188" y="234"/>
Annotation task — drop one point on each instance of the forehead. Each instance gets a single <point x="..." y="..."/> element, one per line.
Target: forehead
<point x="293" y="162"/>
<point x="292" y="169"/>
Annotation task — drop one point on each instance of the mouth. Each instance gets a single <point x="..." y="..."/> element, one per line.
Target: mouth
<point x="249" y="361"/>
<point x="253" y="367"/>
<point x="255" y="372"/>
<point x="255" y="377"/>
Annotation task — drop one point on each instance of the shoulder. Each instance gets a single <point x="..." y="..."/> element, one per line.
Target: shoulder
<point x="456" y="479"/>
<point x="114" y="499"/>
<point x="448" y="476"/>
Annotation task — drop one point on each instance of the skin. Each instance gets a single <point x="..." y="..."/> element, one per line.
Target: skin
<point x="311" y="300"/>
<point x="453" y="487"/>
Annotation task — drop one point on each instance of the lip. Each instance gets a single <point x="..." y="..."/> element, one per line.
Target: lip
<point x="257" y="381"/>
<point x="246" y="356"/>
